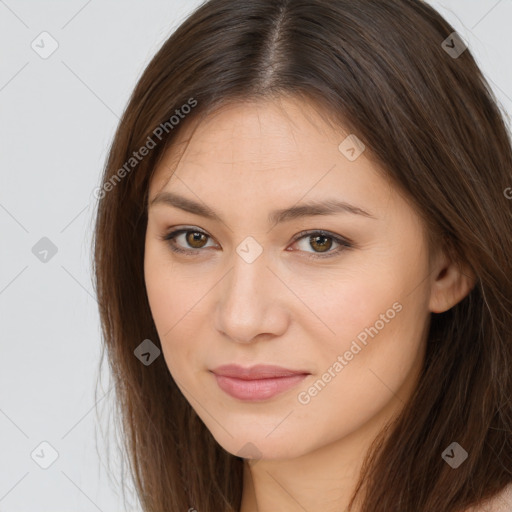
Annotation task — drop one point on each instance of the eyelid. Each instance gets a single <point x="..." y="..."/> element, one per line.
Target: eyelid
<point x="343" y="242"/>
<point x="175" y="232"/>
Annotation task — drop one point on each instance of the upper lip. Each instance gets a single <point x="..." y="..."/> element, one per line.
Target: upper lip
<point x="259" y="371"/>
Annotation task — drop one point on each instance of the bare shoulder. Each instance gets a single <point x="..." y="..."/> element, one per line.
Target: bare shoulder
<point x="502" y="502"/>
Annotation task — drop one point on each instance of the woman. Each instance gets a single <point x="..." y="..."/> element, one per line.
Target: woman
<point x="302" y="256"/>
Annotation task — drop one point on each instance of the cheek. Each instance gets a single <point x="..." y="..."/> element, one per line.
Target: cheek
<point x="370" y="317"/>
<point x="371" y="376"/>
<point x="170" y="293"/>
<point x="346" y="307"/>
<point x="173" y="301"/>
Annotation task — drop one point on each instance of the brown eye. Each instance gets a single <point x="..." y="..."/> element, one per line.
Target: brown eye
<point x="321" y="243"/>
<point x="195" y="239"/>
<point x="187" y="241"/>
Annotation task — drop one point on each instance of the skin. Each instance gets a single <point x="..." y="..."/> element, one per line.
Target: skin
<point x="284" y="308"/>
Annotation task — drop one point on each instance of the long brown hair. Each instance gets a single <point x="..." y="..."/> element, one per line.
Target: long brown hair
<point x="385" y="70"/>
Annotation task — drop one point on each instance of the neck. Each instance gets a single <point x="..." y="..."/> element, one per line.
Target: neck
<point x="320" y="480"/>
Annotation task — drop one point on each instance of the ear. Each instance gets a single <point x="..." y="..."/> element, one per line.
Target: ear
<point x="452" y="281"/>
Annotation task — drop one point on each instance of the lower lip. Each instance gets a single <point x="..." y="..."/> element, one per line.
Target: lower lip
<point x="260" y="389"/>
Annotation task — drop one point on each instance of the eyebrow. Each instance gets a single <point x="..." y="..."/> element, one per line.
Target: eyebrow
<point x="312" y="208"/>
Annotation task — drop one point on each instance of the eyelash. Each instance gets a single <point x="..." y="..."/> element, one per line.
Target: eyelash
<point x="344" y="243"/>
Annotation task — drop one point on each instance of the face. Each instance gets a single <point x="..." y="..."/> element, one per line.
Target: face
<point x="339" y="294"/>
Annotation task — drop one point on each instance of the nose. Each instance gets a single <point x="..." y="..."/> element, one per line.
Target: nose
<point x="252" y="302"/>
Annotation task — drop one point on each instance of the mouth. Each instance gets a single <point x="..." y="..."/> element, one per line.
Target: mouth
<point x="260" y="382"/>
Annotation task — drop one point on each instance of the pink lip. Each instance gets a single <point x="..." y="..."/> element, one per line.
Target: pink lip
<point x="259" y="382"/>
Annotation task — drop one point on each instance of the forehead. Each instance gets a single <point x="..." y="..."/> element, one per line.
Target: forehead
<point x="283" y="144"/>
<point x="250" y="162"/>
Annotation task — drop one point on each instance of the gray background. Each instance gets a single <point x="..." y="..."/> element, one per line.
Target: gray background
<point x="57" y="119"/>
